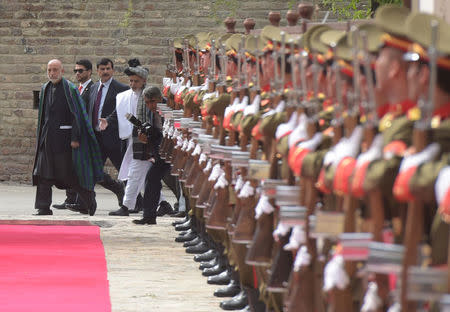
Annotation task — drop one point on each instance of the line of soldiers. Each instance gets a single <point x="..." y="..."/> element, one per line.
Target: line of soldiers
<point x="316" y="165"/>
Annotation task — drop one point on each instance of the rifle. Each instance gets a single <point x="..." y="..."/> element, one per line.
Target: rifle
<point x="212" y="67"/>
<point x="414" y="228"/>
<point x="375" y="198"/>
<point x="196" y="78"/>
<point x="186" y="61"/>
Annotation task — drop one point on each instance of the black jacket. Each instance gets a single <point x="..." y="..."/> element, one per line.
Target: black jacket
<point x="145" y="151"/>
<point x="110" y="136"/>
<point x="86" y="93"/>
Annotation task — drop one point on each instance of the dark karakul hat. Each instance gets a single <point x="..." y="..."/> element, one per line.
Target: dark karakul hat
<point x="135" y="68"/>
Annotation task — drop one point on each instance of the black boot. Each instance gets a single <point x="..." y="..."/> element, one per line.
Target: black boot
<point x="175" y="223"/>
<point x="195" y="241"/>
<point x="255" y="304"/>
<point x="184" y="226"/>
<point x="221" y="279"/>
<point x="198" y="249"/>
<point x="215" y="270"/>
<point x="232" y="289"/>
<point x="206" y="256"/>
<point x="189" y="236"/>
<point x="238" y="302"/>
<point x="208" y="264"/>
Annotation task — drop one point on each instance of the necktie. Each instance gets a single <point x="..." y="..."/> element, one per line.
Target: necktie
<point x="80" y="88"/>
<point x="97" y="107"/>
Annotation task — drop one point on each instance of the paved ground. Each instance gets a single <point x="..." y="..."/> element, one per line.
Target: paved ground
<point x="147" y="270"/>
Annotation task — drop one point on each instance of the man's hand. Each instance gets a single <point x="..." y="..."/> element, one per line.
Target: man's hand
<point x="75" y="144"/>
<point x="152" y="160"/>
<point x="142" y="137"/>
<point x="102" y="123"/>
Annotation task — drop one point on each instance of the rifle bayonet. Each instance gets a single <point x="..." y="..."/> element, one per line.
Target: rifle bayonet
<point x="372" y="116"/>
<point x="197" y="58"/>
<point x="258" y="71"/>
<point x="212" y="71"/>
<point x="337" y="74"/>
<point x="432" y="52"/>
<point x="283" y="61"/>
<point x="353" y="109"/>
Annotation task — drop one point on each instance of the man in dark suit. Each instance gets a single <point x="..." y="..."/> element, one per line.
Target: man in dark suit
<point x="83" y="73"/>
<point x="102" y="102"/>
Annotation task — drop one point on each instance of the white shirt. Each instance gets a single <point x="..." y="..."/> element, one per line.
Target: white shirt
<point x="126" y="102"/>
<point x="83" y="85"/>
<point x="104" y="92"/>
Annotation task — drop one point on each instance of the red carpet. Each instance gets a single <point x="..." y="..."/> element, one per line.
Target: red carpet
<point x="52" y="269"/>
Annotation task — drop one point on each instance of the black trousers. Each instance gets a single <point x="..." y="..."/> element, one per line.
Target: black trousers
<point x="108" y="182"/>
<point x="44" y="194"/>
<point x="153" y="188"/>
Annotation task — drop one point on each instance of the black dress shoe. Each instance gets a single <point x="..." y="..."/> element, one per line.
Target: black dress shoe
<point x="186" y="238"/>
<point x="206" y="256"/>
<point x="145" y="221"/>
<point x="208" y="264"/>
<point x="220" y="279"/>
<point x="43" y="212"/>
<point x="238" y="302"/>
<point x="77" y="208"/>
<point x="122" y="211"/>
<point x="193" y="242"/>
<point x="215" y="270"/>
<point x="179" y="214"/>
<point x="164" y="208"/>
<point x="182" y="233"/>
<point x="183" y="227"/>
<point x="231" y="290"/>
<point x="61" y="206"/>
<point x="197" y="249"/>
<point x="175" y="223"/>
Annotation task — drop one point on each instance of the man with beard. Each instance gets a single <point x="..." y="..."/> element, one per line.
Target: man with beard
<point x="136" y="162"/>
<point x="83" y="72"/>
<point x="67" y="153"/>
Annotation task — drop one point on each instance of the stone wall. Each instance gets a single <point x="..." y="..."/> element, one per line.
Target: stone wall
<point x="34" y="31"/>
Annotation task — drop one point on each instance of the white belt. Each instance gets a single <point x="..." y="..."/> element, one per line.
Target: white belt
<point x="65" y="127"/>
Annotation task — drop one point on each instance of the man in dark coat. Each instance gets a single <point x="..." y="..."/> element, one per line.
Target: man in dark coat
<point x="83" y="73"/>
<point x="102" y="102"/>
<point x="67" y="153"/>
<point x="153" y="185"/>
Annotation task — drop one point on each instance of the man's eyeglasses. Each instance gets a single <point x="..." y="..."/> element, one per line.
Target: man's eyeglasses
<point x="79" y="70"/>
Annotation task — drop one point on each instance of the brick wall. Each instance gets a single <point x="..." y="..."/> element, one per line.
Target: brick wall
<point x="33" y="32"/>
